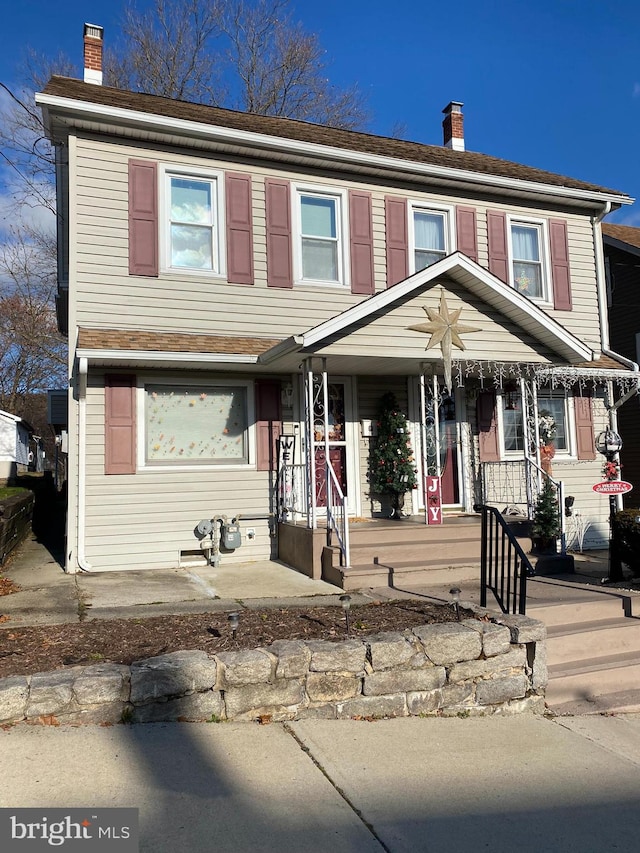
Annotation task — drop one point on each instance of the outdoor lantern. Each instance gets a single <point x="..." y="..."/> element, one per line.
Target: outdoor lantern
<point x="454" y="592"/>
<point x="608" y="443"/>
<point x="345" y="601"/>
<point x="286" y="395"/>
<point x="234" y="621"/>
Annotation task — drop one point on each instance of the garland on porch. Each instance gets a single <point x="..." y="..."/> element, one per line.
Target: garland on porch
<point x="496" y="373"/>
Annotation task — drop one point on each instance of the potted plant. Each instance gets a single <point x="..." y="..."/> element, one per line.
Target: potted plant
<point x="391" y="463"/>
<point x="546" y="520"/>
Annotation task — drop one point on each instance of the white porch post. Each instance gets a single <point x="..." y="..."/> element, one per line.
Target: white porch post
<point x="312" y="515"/>
<point x="316" y="420"/>
<point x="531" y="438"/>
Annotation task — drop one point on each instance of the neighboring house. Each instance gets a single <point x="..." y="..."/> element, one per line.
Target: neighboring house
<point x="226" y="279"/>
<point x="15" y="450"/>
<point x="622" y="260"/>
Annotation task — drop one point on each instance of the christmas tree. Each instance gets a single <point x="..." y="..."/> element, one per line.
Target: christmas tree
<point x="391" y="462"/>
<point x="546" y="522"/>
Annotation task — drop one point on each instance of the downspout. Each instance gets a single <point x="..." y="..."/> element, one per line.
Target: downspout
<point x="604" y="317"/>
<point x="83" y="564"/>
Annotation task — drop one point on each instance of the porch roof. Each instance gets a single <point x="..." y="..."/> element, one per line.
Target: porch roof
<point x="131" y="348"/>
<point x="533" y="322"/>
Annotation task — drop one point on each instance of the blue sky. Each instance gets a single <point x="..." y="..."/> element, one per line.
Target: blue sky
<point x="553" y="84"/>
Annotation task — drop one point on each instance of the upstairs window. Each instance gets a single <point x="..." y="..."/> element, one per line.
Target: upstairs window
<point x="430" y="237"/>
<point x="192" y="222"/>
<point x="528" y="259"/>
<point x="321" y="244"/>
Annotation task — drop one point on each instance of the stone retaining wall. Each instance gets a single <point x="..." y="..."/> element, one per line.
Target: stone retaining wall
<point x="16" y="513"/>
<point x="475" y="667"/>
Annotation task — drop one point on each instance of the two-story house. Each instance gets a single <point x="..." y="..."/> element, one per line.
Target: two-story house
<point x="227" y="279"/>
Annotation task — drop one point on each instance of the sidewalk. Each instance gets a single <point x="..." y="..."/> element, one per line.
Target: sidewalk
<point x="447" y="785"/>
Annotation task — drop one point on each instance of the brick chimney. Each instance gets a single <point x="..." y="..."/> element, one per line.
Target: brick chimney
<point x="453" y="126"/>
<point x="93" y="35"/>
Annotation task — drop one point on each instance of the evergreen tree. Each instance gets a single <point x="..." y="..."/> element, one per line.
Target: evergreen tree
<point x="391" y="462"/>
<point x="546" y="522"/>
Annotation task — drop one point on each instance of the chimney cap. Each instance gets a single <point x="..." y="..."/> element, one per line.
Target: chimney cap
<point x="453" y="107"/>
<point x="94" y="31"/>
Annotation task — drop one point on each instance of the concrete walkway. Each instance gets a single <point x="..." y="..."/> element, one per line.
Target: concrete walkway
<point x="507" y="784"/>
<point x="50" y="596"/>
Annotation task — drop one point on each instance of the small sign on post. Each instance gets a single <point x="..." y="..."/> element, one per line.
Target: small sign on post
<point x="433" y="498"/>
<point x="612" y="487"/>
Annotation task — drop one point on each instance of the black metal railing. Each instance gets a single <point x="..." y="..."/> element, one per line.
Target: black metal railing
<point x="504" y="566"/>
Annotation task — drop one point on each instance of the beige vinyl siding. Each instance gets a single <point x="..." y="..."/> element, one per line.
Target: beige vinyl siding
<point x="388" y="332"/>
<point x="108" y="296"/>
<point x="145" y="520"/>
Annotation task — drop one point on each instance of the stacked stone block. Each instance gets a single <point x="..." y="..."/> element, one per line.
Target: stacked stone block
<point x="486" y="665"/>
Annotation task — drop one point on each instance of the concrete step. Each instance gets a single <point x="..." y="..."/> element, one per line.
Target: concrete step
<point x="416" y="551"/>
<point x="582" y="609"/>
<point x="393" y="533"/>
<point x="584" y="681"/>
<point x="621" y="702"/>
<point x="406" y="575"/>
<point x="591" y="641"/>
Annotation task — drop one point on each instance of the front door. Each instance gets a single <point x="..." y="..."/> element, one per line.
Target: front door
<point x="439" y="429"/>
<point x="342" y="449"/>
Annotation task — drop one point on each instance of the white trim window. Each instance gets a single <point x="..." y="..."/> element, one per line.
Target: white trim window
<point x="431" y="235"/>
<point x="529" y="258"/>
<point x="192" y="216"/>
<point x="552" y="404"/>
<point x="194" y="424"/>
<point x="322" y="240"/>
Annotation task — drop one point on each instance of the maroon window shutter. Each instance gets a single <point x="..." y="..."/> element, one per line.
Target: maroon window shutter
<point x="239" y="229"/>
<point x="397" y="240"/>
<point x="120" y="424"/>
<point x="467" y="232"/>
<point x="143" y="218"/>
<point x="279" y="263"/>
<point x="584" y="427"/>
<point x="361" y="234"/>
<point x="488" y="427"/>
<point x="560" y="265"/>
<point x="268" y="424"/>
<point x="498" y="251"/>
